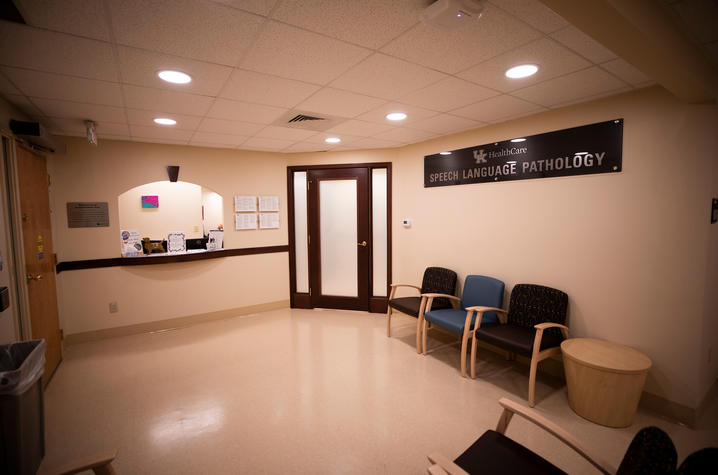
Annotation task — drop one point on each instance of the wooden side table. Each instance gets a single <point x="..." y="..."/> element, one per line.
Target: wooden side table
<point x="604" y="380"/>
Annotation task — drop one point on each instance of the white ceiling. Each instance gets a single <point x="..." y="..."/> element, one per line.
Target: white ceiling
<point x="255" y="61"/>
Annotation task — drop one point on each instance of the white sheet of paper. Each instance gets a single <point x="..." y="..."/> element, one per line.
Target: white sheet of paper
<point x="245" y="203"/>
<point x="268" y="220"/>
<point x="269" y="203"/>
<point x="245" y="221"/>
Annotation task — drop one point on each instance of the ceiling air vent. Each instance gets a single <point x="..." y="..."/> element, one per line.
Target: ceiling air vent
<point x="307" y="120"/>
<point x="302" y="118"/>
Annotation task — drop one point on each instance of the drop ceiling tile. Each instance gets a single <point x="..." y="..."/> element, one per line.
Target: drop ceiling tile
<point x="404" y="135"/>
<point x="168" y="101"/>
<point x="66" y="88"/>
<point x="140" y="68"/>
<point x="260" y="7"/>
<point x="700" y="17"/>
<point x="359" y="128"/>
<point x="104" y="129"/>
<point x="145" y="117"/>
<point x="6" y="87"/>
<point x="446" y="124"/>
<point x="371" y="23"/>
<point x="286" y="51"/>
<point x="453" y="51"/>
<point x="339" y="103"/>
<point x="583" y="44"/>
<point x="345" y="139"/>
<point x="77" y="110"/>
<point x="200" y="30"/>
<point x="383" y="76"/>
<point x="77" y="17"/>
<point x="373" y="142"/>
<point x="261" y="88"/>
<point x="26" y="47"/>
<point x="285" y="133"/>
<point x="570" y="88"/>
<point x="23" y="104"/>
<point x="413" y="113"/>
<point x="217" y="139"/>
<point x="448" y="94"/>
<point x="195" y="143"/>
<point x="627" y="72"/>
<point x="552" y="58"/>
<point x="160" y="140"/>
<point x="244" y="111"/>
<point x="305" y="147"/>
<point x="259" y="143"/>
<point x="231" y="127"/>
<point x="534" y="13"/>
<point x="497" y="108"/>
<point x="160" y="132"/>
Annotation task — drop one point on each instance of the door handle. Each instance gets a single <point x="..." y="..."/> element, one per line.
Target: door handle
<point x="362" y="244"/>
<point x="30" y="277"/>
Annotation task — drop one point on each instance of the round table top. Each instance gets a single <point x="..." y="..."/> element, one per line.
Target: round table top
<point x="605" y="355"/>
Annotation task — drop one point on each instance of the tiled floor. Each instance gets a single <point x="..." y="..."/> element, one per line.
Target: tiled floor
<point x="302" y="391"/>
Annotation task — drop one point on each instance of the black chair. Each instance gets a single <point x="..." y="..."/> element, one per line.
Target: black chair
<point x="436" y="280"/>
<point x="534" y="326"/>
<point x="650" y="452"/>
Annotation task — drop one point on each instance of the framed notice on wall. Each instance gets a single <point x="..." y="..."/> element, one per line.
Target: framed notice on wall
<point x="243" y="203"/>
<point x="244" y="221"/>
<point x="268" y="220"/>
<point x="269" y="203"/>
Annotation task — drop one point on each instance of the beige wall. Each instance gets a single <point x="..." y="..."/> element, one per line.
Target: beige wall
<point x="151" y="293"/>
<point x="634" y="250"/>
<point x="213" y="209"/>
<point x="180" y="209"/>
<point x="631" y="249"/>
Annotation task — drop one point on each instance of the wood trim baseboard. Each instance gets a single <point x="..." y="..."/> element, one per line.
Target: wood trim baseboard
<point x="166" y="258"/>
<point x="171" y="323"/>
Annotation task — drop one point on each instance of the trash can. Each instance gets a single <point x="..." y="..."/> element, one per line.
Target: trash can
<point x="22" y="419"/>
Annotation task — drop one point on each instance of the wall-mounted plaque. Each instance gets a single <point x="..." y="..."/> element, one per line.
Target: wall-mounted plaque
<point x="88" y="215"/>
<point x="589" y="149"/>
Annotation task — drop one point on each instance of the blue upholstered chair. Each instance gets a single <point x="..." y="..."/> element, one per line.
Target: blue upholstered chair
<point x="479" y="292"/>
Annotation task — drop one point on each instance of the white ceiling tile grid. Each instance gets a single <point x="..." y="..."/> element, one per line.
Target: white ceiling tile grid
<point x="256" y="63"/>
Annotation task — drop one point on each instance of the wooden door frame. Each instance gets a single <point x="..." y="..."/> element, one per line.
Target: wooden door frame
<point x="24" y="326"/>
<point x="302" y="299"/>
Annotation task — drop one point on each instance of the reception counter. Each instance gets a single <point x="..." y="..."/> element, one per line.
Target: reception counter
<point x="166" y="258"/>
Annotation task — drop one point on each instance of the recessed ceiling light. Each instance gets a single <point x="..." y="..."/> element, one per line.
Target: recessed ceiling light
<point x="332" y="140"/>
<point x="519" y="140"/>
<point x="522" y="71"/>
<point x="396" y="116"/>
<point x="444" y="153"/>
<point x="175" y="77"/>
<point x="165" y="121"/>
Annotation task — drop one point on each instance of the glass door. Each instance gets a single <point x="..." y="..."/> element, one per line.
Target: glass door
<point x="339" y="238"/>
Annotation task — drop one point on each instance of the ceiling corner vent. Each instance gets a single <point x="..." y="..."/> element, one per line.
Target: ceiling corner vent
<point x="302" y="118"/>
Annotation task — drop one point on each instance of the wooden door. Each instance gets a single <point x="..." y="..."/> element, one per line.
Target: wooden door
<point x="340" y="238"/>
<point x="33" y="184"/>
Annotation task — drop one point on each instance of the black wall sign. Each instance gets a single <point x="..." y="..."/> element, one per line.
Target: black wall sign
<point x="589" y="149"/>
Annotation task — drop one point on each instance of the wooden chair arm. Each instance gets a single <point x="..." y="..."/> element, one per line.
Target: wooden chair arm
<point x="479" y="308"/>
<point x="542" y="326"/>
<point x="406" y="285"/>
<point x="451" y="297"/>
<point x="100" y="463"/>
<point x="432" y="296"/>
<point x="533" y="416"/>
<point x="443" y="465"/>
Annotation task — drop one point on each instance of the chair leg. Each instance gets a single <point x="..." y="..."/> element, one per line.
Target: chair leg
<point x="423" y="336"/>
<point x="388" y="321"/>
<point x="473" y="356"/>
<point x="464" y="344"/>
<point x="532" y="381"/>
<point x="419" y="326"/>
